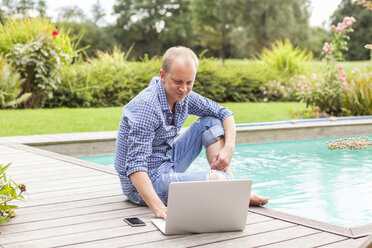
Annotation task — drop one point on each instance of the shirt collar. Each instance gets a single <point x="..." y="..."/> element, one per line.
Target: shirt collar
<point x="161" y="94"/>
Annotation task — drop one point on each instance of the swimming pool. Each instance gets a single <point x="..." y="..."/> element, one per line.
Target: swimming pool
<point x="303" y="178"/>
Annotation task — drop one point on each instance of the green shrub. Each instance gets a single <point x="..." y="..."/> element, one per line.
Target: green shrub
<point x="283" y="60"/>
<point x="328" y="93"/>
<point x="110" y="80"/>
<point x="277" y="91"/>
<point x="325" y="92"/>
<point x="209" y="83"/>
<point x="10" y="86"/>
<point x="37" y="51"/>
<point x="358" y="100"/>
<point x="242" y="83"/>
<point x="9" y="191"/>
<point x="21" y="31"/>
<point x="38" y="62"/>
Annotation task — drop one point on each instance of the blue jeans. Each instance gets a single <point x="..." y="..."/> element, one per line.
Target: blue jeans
<point x="185" y="149"/>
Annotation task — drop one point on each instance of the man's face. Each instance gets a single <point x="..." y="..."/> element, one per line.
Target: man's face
<point x="178" y="82"/>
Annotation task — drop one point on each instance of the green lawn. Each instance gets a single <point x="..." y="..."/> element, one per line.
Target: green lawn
<point x="314" y="66"/>
<point x="64" y="120"/>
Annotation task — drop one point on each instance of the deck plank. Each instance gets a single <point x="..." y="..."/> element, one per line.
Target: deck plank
<point x="73" y="220"/>
<point x="349" y="243"/>
<point x="59" y="232"/>
<point x="67" y="198"/>
<point x="69" y="184"/>
<point x="96" y="225"/>
<point x="312" y="240"/>
<point x="41" y="216"/>
<point x="125" y="235"/>
<point x="69" y="205"/>
<point x="265" y="238"/>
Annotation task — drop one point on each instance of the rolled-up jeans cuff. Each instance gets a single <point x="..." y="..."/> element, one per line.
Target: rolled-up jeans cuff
<point x="212" y="135"/>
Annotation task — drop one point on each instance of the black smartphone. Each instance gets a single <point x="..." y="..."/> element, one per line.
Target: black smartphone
<point x="134" y="221"/>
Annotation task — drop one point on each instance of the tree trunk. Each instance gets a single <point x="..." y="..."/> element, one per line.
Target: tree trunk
<point x="223" y="47"/>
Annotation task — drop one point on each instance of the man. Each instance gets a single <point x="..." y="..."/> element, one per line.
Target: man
<point x="149" y="157"/>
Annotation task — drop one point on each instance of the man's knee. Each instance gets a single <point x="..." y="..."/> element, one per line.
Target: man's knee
<point x="209" y="121"/>
<point x="214" y="175"/>
<point x="214" y="130"/>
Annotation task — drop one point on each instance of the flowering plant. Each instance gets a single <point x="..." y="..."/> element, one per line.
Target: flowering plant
<point x="290" y="91"/>
<point x="38" y="62"/>
<point x="328" y="94"/>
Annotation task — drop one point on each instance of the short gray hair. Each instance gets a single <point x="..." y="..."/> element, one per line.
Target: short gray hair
<point x="175" y="52"/>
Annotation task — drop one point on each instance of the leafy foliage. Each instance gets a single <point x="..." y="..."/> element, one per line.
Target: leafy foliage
<point x="264" y="21"/>
<point x="284" y="60"/>
<point x="24" y="7"/>
<point x="10" y="86"/>
<point x="144" y="24"/>
<point x="9" y="191"/>
<point x="358" y="100"/>
<point x="363" y="29"/>
<point x="37" y="50"/>
<point x="110" y="80"/>
<point x="329" y="92"/>
<point x="21" y="31"/>
<point x="214" y="20"/>
<point x="104" y="81"/>
<point x="90" y="36"/>
<point x="38" y="62"/>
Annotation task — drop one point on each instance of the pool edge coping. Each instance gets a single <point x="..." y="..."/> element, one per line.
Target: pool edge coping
<point x="101" y="136"/>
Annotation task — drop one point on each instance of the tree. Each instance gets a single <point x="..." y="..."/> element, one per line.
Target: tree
<point x="178" y="29"/>
<point x="214" y="21"/>
<point x="264" y="21"/>
<point x="91" y="37"/>
<point x="98" y="12"/>
<point x="314" y="44"/>
<point x="41" y="8"/>
<point x="146" y="24"/>
<point x="24" y="6"/>
<point x="71" y="14"/>
<point x="2" y="16"/>
<point x="362" y="28"/>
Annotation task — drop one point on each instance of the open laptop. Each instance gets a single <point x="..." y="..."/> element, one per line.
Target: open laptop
<point x="209" y="206"/>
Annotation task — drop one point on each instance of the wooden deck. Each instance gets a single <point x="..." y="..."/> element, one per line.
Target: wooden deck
<point x="78" y="204"/>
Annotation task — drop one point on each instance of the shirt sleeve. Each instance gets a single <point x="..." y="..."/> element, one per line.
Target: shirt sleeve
<point x="141" y="119"/>
<point x="202" y="106"/>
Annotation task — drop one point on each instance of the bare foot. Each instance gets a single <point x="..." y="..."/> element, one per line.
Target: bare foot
<point x="257" y="200"/>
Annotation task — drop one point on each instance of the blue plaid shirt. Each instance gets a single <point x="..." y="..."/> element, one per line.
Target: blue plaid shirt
<point x="146" y="133"/>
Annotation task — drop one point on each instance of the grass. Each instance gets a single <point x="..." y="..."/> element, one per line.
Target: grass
<point x="65" y="120"/>
<point x="314" y="66"/>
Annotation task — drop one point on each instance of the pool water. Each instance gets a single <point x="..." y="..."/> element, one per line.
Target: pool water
<point x="303" y="178"/>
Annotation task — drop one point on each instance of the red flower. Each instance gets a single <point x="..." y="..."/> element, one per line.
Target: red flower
<point x="54" y="33"/>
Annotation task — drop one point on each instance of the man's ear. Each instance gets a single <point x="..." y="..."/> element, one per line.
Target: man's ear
<point x="162" y="76"/>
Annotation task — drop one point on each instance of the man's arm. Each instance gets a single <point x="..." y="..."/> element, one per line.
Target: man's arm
<point x="144" y="187"/>
<point x="230" y="132"/>
<point x="224" y="157"/>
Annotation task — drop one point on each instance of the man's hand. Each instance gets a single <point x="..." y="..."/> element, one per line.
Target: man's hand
<point x="223" y="159"/>
<point x="161" y="213"/>
<point x="144" y="187"/>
